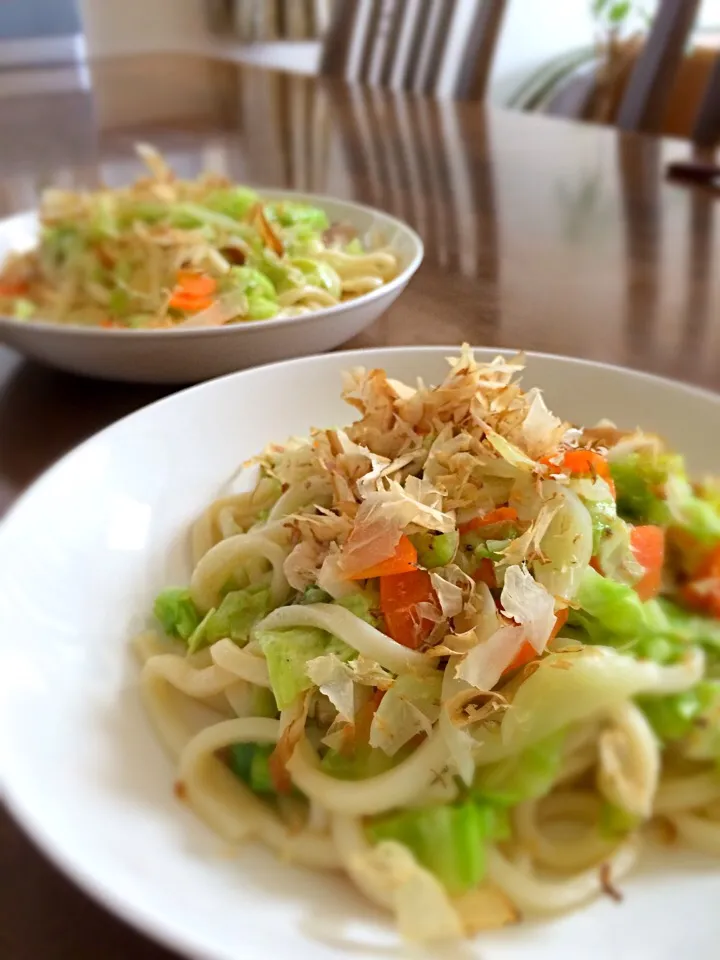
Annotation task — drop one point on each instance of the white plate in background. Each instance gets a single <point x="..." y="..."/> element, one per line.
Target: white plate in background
<point x="190" y="355"/>
<point x="81" y="557"/>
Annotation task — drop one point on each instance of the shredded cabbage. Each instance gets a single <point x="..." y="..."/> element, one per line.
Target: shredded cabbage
<point x="409" y="707"/>
<point x="450" y="840"/>
<point x="525" y="776"/>
<point x="176" y="612"/>
<point x="237" y="614"/>
<point x="287" y="653"/>
<point x="579" y="685"/>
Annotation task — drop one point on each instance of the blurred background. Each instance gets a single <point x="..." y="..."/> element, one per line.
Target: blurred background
<point x="569" y="57"/>
<point x="502" y="197"/>
<point x="546" y="56"/>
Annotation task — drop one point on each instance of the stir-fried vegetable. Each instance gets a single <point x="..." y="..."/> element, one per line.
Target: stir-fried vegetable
<point x="287" y="653"/>
<point x="451" y="841"/>
<point x="581" y="463"/>
<point x="250" y="762"/>
<point x="177" y="613"/>
<point x="640" y="479"/>
<point x="399" y="596"/>
<point x="436" y="549"/>
<point x="703" y="591"/>
<point x="496" y="516"/>
<point x="167" y="252"/>
<point x="524" y="776"/>
<point x="404" y="560"/>
<point x="648" y="546"/>
<point x="492" y="640"/>
<point x="673" y="717"/>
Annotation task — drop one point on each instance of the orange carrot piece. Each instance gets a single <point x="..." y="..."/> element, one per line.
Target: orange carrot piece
<point x="399" y="596"/>
<point x="525" y="654"/>
<point x="404" y="560"/>
<point x="527" y="651"/>
<point x="196" y="284"/>
<point x="359" y="731"/>
<point x="9" y="289"/>
<point x="648" y="546"/>
<point x="499" y="515"/>
<point x="582" y="462"/>
<point x="185" y="301"/>
<point x="701" y="593"/>
<point x="485" y="573"/>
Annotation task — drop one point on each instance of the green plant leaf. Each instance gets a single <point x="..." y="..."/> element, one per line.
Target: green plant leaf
<point x="619" y="11"/>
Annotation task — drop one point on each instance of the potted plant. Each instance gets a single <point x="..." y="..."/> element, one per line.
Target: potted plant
<point x="588" y="83"/>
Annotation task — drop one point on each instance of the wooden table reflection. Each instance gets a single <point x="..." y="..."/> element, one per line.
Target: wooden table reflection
<point x="539" y="234"/>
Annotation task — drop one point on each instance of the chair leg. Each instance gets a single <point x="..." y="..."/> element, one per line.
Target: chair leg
<point x="706" y="131"/>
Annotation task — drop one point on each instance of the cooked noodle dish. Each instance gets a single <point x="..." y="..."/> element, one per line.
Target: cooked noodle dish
<point x="461" y="651"/>
<point x="167" y="253"/>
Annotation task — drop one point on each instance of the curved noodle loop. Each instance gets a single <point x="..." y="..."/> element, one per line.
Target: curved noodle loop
<point x="217" y="567"/>
<point x="236" y="813"/>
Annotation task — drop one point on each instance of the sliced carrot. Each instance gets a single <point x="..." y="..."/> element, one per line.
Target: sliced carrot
<point x="193" y="291"/>
<point x="527" y="651"/>
<point x="703" y="591"/>
<point x="185" y="301"/>
<point x="13" y="289"/>
<point x="648" y="546"/>
<point x="560" y="621"/>
<point x="359" y="732"/>
<point x="485" y="573"/>
<point x="582" y="462"/>
<point x="404" y="560"/>
<point x="525" y="654"/>
<point x="399" y="597"/>
<point x="499" y="515"/>
<point x="196" y="284"/>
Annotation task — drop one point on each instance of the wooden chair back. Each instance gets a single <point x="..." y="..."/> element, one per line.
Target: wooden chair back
<point x="649" y="87"/>
<point x="412" y="44"/>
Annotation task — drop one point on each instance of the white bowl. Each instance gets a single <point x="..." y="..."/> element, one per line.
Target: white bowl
<point x="187" y="356"/>
<point x="81" y="557"/>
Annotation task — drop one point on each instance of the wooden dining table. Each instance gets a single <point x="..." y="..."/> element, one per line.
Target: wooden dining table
<point x="540" y="234"/>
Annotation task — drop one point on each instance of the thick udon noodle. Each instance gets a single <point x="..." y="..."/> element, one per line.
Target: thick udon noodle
<point x="557" y="859"/>
<point x="359" y="273"/>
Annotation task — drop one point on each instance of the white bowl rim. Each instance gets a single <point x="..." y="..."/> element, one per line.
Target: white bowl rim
<point x="141" y="918"/>
<point x="405" y="275"/>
